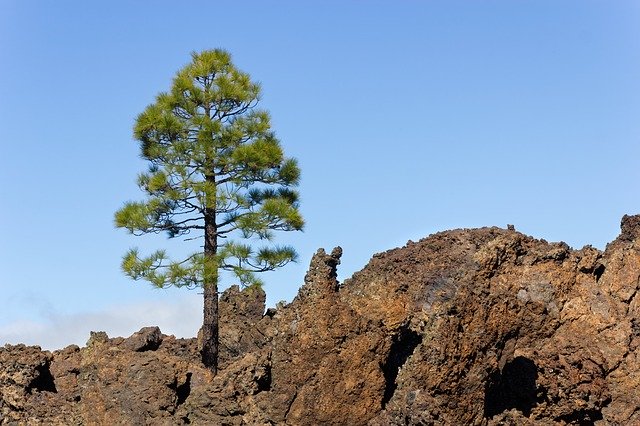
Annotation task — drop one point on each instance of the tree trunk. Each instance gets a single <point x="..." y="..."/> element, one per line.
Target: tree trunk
<point x="210" y="277"/>
<point x="210" y="327"/>
<point x="209" y="350"/>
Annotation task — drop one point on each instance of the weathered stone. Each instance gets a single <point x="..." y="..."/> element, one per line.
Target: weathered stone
<point x="321" y="279"/>
<point x="479" y="327"/>
<point x="97" y="338"/>
<point x="147" y="339"/>
<point x="630" y="226"/>
<point x="240" y="312"/>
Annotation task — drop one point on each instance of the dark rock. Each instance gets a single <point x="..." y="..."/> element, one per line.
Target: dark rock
<point x="240" y="311"/>
<point x="147" y="339"/>
<point x="321" y="279"/>
<point x="97" y="338"/>
<point x="630" y="227"/>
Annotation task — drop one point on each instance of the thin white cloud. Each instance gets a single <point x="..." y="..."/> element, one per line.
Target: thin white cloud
<point x="181" y="317"/>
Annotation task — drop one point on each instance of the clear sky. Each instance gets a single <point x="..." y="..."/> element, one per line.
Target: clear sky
<point x="407" y="118"/>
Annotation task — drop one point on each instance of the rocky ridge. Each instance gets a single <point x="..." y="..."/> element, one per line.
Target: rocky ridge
<point x="480" y="327"/>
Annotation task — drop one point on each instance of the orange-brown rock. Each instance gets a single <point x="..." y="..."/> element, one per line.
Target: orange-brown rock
<point x="466" y="327"/>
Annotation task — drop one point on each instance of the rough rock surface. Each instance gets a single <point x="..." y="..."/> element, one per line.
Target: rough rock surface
<point x="466" y="327"/>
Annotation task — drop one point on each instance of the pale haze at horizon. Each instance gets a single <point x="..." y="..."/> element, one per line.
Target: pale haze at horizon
<point x="407" y="118"/>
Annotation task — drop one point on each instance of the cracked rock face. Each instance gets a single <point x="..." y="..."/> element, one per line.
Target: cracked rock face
<point x="480" y="327"/>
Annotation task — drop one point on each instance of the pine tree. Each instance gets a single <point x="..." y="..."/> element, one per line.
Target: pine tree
<point x="216" y="170"/>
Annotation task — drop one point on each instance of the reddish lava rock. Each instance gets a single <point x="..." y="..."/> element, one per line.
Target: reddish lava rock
<point x="474" y="326"/>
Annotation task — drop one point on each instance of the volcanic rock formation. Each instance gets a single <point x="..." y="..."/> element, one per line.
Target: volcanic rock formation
<point x="466" y="327"/>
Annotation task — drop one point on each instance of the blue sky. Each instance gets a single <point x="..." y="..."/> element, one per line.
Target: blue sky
<point x="407" y="118"/>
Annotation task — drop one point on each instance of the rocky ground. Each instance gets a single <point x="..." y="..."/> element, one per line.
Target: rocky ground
<point x="466" y="327"/>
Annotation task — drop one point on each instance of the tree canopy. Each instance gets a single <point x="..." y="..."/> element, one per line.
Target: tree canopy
<point x="216" y="171"/>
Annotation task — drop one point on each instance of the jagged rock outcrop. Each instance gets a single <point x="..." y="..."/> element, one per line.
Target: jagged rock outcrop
<point x="240" y="312"/>
<point x="480" y="327"/>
